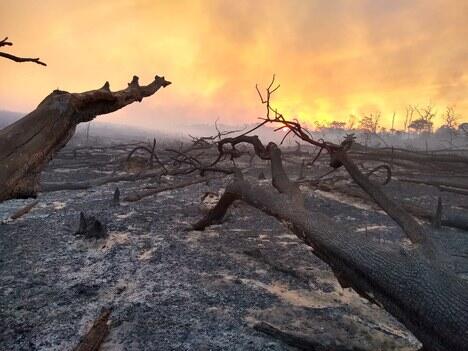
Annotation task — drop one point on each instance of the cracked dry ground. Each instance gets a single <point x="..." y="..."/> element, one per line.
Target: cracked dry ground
<point x="173" y="289"/>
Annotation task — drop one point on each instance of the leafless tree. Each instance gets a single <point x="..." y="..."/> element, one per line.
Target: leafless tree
<point x="424" y="123"/>
<point x="369" y="125"/>
<point x="408" y="117"/>
<point x="450" y="119"/>
<point x="337" y="125"/>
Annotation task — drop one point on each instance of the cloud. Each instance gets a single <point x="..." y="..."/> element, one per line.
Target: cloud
<point x="332" y="58"/>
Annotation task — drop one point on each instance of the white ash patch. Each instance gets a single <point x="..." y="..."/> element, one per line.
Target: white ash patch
<point x="146" y="255"/>
<point x="371" y="228"/>
<point x="125" y="215"/>
<point x="195" y="236"/>
<point x="209" y="201"/>
<point x="58" y="205"/>
<point x="347" y="200"/>
<point x="65" y="170"/>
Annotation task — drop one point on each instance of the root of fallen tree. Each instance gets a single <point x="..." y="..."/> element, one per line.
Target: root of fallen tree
<point x="28" y="144"/>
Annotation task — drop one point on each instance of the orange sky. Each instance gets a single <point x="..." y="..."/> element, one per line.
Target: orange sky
<point x="332" y="58"/>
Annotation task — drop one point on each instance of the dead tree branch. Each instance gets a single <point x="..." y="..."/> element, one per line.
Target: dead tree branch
<point x="15" y="58"/>
<point x="28" y="144"/>
<point x="24" y="210"/>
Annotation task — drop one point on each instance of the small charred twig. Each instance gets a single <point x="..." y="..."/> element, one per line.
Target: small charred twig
<point x="151" y="152"/>
<point x="93" y="339"/>
<point x="194" y="164"/>
<point x="22" y="211"/>
<point x="209" y="141"/>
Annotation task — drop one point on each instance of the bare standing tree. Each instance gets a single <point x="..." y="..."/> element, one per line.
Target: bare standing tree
<point x="424" y="123"/>
<point x="408" y="117"/>
<point x="369" y="124"/>
<point x="450" y="119"/>
<point x="351" y="121"/>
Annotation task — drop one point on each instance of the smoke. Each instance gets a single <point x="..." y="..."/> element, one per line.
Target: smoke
<point x="332" y="58"/>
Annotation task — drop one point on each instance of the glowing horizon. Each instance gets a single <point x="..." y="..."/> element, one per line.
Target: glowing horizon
<point x="332" y="59"/>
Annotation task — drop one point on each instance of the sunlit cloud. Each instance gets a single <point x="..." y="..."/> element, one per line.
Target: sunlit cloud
<point x="332" y="58"/>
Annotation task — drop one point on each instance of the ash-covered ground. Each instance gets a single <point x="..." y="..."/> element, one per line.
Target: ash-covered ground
<point x="170" y="288"/>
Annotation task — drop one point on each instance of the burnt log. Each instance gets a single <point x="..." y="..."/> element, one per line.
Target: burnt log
<point x="411" y="283"/>
<point x="453" y="219"/>
<point x="387" y="154"/>
<point x="300" y="342"/>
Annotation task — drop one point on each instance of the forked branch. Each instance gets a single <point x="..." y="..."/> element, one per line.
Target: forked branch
<point x="15" y="58"/>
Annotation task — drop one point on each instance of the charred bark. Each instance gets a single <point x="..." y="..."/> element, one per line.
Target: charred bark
<point x="300" y="342"/>
<point x="448" y="218"/>
<point x="408" y="155"/>
<point x="410" y="283"/>
<point x="93" y="339"/>
<point x="91" y="228"/>
<point x="28" y="144"/>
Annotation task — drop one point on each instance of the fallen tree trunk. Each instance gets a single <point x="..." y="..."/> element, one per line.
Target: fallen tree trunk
<point x="28" y="144"/>
<point x="448" y="219"/>
<point x="401" y="154"/>
<point x="299" y="341"/>
<point x="433" y="181"/>
<point x="49" y="187"/>
<point x="410" y="283"/>
<point x="137" y="196"/>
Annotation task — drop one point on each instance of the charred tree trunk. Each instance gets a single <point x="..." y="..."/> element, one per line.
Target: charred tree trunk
<point x="28" y="144"/>
<point x="410" y="283"/>
<point x="386" y="154"/>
